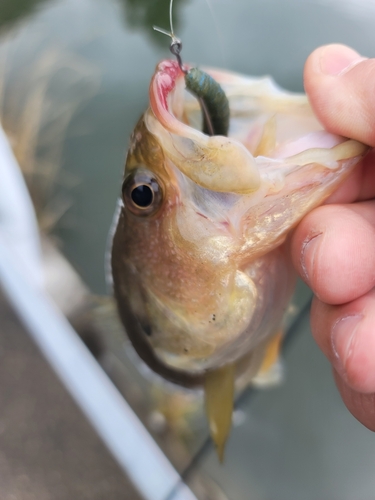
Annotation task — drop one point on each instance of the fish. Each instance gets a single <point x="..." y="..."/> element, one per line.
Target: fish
<point x="201" y="271"/>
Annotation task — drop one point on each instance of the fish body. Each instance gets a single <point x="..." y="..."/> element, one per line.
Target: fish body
<point x="201" y="273"/>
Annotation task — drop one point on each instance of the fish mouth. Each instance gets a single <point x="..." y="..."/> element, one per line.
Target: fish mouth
<point x="183" y="338"/>
<point x="169" y="366"/>
<point x="232" y="164"/>
<point x="218" y="163"/>
<point x="198" y="335"/>
<point x="139" y="333"/>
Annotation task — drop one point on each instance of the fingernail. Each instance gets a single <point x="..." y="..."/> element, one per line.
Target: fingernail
<point x="343" y="340"/>
<point x="338" y="59"/>
<point x="308" y="253"/>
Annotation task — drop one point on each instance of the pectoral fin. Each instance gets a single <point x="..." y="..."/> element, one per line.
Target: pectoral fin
<point x="219" y="395"/>
<point x="272" y="352"/>
<point x="270" y="372"/>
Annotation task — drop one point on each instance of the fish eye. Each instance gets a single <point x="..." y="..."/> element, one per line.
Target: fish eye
<point x="142" y="193"/>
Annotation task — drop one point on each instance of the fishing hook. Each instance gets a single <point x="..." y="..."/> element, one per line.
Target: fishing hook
<point x="211" y="97"/>
<point x="176" y="44"/>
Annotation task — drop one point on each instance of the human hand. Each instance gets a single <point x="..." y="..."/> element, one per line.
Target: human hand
<point x="333" y="248"/>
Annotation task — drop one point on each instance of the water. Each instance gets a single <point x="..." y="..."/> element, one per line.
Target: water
<point x="113" y="50"/>
<point x="74" y="78"/>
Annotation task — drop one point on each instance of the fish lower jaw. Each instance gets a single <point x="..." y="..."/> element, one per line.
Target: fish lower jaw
<point x="201" y="363"/>
<point x="200" y="339"/>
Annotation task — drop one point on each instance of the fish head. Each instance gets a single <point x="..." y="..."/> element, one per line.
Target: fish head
<point x="200" y="273"/>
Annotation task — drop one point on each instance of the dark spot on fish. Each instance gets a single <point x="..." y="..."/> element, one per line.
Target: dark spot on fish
<point x="147" y="329"/>
<point x="213" y="317"/>
<point x="92" y="340"/>
<point x="186" y="350"/>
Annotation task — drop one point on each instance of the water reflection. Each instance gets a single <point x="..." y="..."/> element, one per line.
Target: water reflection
<point x="143" y="14"/>
<point x="12" y="10"/>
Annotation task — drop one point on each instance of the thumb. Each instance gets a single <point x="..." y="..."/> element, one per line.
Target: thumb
<point x="340" y="85"/>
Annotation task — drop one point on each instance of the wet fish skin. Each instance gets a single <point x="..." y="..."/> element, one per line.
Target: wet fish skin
<point x="204" y="281"/>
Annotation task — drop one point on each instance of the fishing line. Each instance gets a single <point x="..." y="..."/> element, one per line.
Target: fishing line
<point x="219" y="32"/>
<point x="212" y="99"/>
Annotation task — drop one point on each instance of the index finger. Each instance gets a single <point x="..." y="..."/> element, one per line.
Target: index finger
<point x="339" y="83"/>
